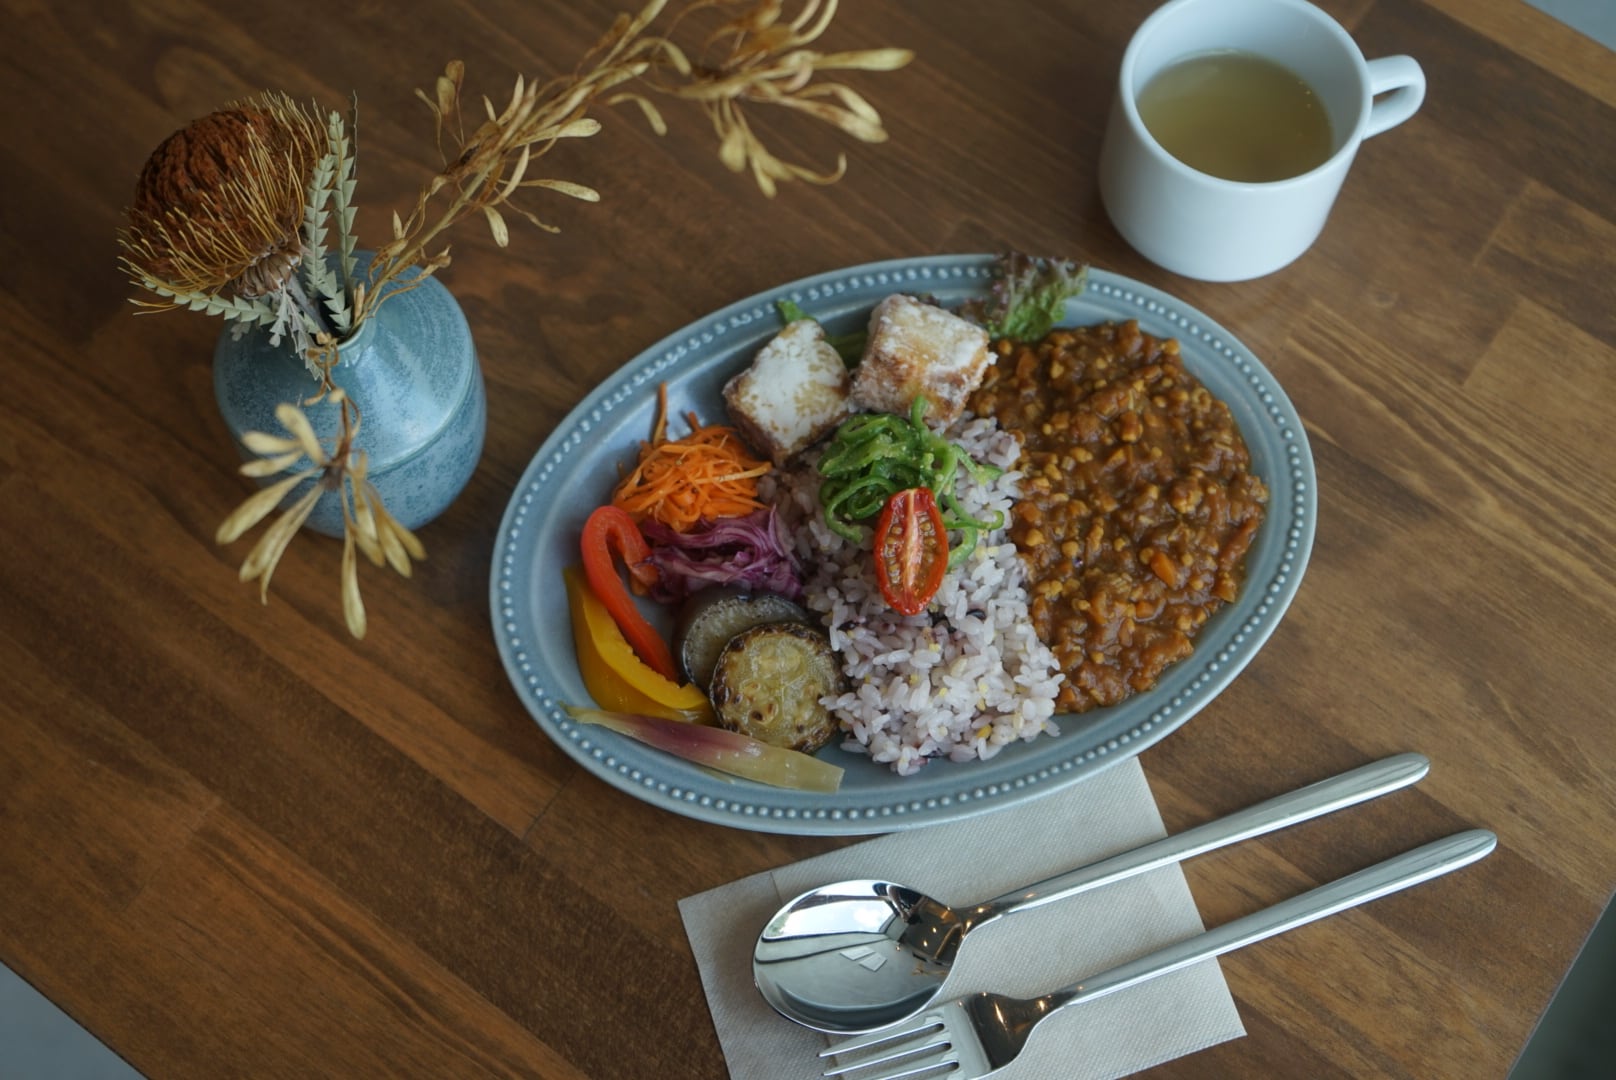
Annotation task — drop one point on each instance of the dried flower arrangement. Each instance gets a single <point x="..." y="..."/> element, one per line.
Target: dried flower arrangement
<point x="232" y="215"/>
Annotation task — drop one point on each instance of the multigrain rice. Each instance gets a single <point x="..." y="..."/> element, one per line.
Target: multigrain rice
<point x="961" y="680"/>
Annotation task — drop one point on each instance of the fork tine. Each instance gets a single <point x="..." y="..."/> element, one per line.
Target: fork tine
<point x="918" y="1028"/>
<point x="930" y="1069"/>
<point x="913" y="1051"/>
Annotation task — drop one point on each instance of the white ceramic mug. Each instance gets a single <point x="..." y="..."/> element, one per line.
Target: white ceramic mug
<point x="1224" y="230"/>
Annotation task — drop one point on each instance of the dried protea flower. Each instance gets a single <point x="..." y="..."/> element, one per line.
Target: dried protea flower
<point x="220" y="203"/>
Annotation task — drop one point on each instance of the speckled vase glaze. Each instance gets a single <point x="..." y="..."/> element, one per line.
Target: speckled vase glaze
<point x="411" y="368"/>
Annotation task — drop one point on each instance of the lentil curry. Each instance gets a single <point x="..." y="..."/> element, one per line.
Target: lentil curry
<point x="1138" y="503"/>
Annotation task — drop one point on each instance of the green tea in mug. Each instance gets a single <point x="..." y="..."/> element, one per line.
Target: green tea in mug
<point x="1237" y="116"/>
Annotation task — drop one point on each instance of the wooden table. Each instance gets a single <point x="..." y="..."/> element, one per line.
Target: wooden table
<point x="234" y="842"/>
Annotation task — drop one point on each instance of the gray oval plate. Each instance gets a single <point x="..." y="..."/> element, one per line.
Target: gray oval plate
<point x="575" y="469"/>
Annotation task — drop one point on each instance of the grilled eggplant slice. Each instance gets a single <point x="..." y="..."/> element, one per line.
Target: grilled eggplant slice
<point x="711" y="617"/>
<point x="768" y="682"/>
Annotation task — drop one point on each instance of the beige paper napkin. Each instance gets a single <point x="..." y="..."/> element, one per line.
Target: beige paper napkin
<point x="1025" y="955"/>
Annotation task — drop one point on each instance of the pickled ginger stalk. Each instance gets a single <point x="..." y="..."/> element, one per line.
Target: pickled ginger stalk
<point x="716" y="748"/>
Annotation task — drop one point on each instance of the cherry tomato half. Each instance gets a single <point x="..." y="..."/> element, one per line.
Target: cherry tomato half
<point x="911" y="550"/>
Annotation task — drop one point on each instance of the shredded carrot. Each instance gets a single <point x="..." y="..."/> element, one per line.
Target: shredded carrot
<point x="707" y="475"/>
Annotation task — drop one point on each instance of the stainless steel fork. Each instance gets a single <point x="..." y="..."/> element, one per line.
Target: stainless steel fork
<point x="978" y="1035"/>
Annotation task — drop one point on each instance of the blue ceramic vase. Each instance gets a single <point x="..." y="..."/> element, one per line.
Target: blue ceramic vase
<point x="412" y="369"/>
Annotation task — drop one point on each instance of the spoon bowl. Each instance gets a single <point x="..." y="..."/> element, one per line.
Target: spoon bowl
<point x="845" y="956"/>
<point x="858" y="955"/>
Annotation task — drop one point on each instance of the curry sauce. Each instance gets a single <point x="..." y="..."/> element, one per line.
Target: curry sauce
<point x="1138" y="502"/>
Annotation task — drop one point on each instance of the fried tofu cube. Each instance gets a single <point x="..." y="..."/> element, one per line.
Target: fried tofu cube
<point x="920" y="350"/>
<point x="794" y="394"/>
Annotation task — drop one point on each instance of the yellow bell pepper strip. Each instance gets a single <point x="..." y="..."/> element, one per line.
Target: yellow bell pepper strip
<point x="610" y="529"/>
<point x="613" y="675"/>
<point x="721" y="749"/>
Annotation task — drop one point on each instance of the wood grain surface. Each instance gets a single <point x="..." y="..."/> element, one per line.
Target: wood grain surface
<point x="234" y="842"/>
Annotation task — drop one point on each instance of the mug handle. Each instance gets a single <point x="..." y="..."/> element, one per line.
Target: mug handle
<point x="1402" y="80"/>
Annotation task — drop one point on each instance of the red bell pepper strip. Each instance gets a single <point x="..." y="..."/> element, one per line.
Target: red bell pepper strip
<point x="911" y="550"/>
<point x="610" y="530"/>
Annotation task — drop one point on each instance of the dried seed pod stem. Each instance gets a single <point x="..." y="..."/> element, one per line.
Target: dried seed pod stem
<point x="753" y="57"/>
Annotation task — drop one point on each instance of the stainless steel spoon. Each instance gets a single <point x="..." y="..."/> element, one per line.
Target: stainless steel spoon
<point x="859" y="955"/>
